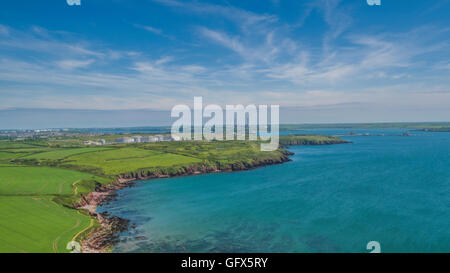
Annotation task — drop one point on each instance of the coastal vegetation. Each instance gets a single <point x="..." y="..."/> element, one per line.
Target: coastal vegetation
<point x="124" y="159"/>
<point x="310" y="140"/>
<point x="47" y="187"/>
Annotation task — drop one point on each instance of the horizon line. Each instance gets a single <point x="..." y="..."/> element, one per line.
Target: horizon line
<point x="281" y="124"/>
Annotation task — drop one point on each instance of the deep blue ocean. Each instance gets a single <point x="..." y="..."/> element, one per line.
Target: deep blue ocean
<point x="391" y="189"/>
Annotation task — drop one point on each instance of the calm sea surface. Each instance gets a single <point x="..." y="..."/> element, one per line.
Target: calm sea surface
<point x="390" y="189"/>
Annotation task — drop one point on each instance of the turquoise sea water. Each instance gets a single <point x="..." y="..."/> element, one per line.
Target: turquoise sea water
<point x="390" y="189"/>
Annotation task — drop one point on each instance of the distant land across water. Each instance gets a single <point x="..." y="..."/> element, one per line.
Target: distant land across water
<point x="429" y="126"/>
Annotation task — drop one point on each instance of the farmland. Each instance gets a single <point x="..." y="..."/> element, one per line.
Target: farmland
<point x="117" y="161"/>
<point x="55" y="154"/>
<point x="19" y="180"/>
<point x="37" y="224"/>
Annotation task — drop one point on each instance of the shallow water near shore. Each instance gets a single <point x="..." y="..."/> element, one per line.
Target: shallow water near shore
<point x="390" y="189"/>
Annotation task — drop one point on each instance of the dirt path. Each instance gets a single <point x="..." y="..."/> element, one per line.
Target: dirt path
<point x="61" y="187"/>
<point x="91" y="224"/>
<point x="75" y="191"/>
<point x="42" y="187"/>
<point x="77" y="224"/>
<point x="55" y="242"/>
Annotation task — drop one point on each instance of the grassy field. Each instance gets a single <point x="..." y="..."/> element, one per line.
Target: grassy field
<point x="37" y="224"/>
<point x="57" y="154"/>
<point x="209" y="150"/>
<point x="11" y="155"/>
<point x="118" y="161"/>
<point x="30" y="221"/>
<point x="38" y="180"/>
<point x="6" y="144"/>
<point x="41" y="180"/>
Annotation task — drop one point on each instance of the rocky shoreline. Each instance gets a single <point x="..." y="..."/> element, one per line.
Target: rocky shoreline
<point x="103" y="238"/>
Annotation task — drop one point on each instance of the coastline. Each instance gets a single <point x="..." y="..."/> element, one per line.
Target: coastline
<point x="103" y="238"/>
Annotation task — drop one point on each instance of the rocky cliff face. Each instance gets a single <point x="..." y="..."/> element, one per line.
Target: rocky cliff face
<point x="101" y="239"/>
<point x="205" y="168"/>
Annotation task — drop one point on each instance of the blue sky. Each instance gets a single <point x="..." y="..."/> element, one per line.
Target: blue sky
<point x="322" y="61"/>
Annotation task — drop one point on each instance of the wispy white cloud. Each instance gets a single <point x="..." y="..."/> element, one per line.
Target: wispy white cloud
<point x="243" y="17"/>
<point x="150" y="29"/>
<point x="224" y="40"/>
<point x="335" y="16"/>
<point x="164" y="60"/>
<point x="154" y="30"/>
<point x="73" y="64"/>
<point x="194" y="69"/>
<point x="41" y="40"/>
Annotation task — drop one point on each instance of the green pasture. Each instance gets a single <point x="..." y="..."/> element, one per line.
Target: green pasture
<point x="55" y="154"/>
<point x="216" y="151"/>
<point x="11" y="155"/>
<point x="6" y="144"/>
<point x="38" y="180"/>
<point x="28" y="150"/>
<point x="123" y="160"/>
<point x="37" y="224"/>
